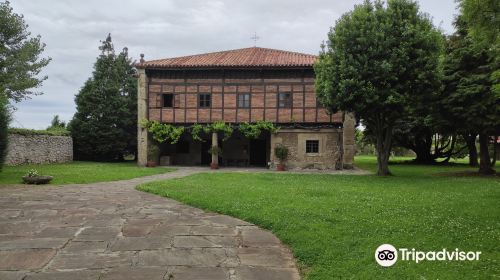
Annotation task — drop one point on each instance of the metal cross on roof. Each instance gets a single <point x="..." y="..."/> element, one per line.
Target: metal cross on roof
<point x="255" y="38"/>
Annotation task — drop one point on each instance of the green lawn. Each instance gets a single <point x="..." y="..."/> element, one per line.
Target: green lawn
<point x="80" y="172"/>
<point x="334" y="223"/>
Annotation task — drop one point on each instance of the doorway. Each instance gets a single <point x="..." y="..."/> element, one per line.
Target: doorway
<point x="258" y="154"/>
<point x="206" y="158"/>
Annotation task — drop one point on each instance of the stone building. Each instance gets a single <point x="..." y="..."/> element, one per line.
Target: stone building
<point x="243" y="85"/>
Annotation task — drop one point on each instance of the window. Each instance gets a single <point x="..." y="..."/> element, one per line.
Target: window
<point x="244" y="100"/>
<point x="312" y="146"/>
<point x="284" y="100"/>
<point x="204" y="100"/>
<point x="168" y="100"/>
<point x="182" y="147"/>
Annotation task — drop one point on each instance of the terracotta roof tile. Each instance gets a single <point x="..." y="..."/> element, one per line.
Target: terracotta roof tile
<point x="247" y="57"/>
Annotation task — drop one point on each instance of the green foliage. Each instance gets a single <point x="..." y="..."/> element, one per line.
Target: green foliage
<point x="4" y="124"/>
<point x="56" y="123"/>
<point x="468" y="100"/>
<point x="28" y="132"/>
<point x="162" y="132"/>
<point x="380" y="61"/>
<point x="153" y="152"/>
<point x="281" y="152"/>
<point x="32" y="173"/>
<point x="483" y="21"/>
<point x="104" y="127"/>
<point x="253" y="130"/>
<point x="222" y="127"/>
<point x="196" y="131"/>
<point x="482" y="18"/>
<point x="363" y="144"/>
<point x="217" y="126"/>
<point x="20" y="63"/>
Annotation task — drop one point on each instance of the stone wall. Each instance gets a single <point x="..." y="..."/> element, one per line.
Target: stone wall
<point x="328" y="157"/>
<point x="37" y="149"/>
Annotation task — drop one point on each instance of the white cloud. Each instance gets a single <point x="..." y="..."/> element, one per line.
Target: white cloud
<point x="72" y="30"/>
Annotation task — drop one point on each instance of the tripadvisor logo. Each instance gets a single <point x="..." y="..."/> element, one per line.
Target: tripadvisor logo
<point x="387" y="255"/>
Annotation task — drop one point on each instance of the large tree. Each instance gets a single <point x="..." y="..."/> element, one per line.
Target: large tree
<point x="104" y="125"/>
<point x="20" y="66"/>
<point x="380" y="60"/>
<point x="468" y="98"/>
<point x="20" y="62"/>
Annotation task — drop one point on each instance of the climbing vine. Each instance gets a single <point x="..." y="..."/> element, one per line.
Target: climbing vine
<point x="167" y="132"/>
<point x="218" y="126"/>
<point x="163" y="132"/>
<point x="253" y="130"/>
<point x="221" y="126"/>
<point x="196" y="130"/>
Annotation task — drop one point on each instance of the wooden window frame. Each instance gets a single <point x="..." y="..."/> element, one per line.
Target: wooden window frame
<point x="172" y="100"/>
<point x="209" y="100"/>
<point x="246" y="102"/>
<point x="312" y="146"/>
<point x="287" y="102"/>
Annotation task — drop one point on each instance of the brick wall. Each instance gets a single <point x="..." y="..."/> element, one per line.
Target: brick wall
<point x="224" y="86"/>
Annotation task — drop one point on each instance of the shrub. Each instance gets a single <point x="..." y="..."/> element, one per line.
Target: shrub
<point x="28" y="132"/>
<point x="32" y="173"/>
<point x="281" y="152"/>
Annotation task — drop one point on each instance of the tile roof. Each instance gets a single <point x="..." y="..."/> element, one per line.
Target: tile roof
<point x="247" y="57"/>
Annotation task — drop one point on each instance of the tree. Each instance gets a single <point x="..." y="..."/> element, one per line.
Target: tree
<point x="468" y="98"/>
<point x="482" y="19"/>
<point x="20" y="62"/>
<point x="380" y="60"/>
<point x="56" y="123"/>
<point x="104" y="127"/>
<point x="4" y="124"/>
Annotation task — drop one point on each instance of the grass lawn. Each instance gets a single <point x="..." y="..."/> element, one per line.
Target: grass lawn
<point x="334" y="223"/>
<point x="80" y="172"/>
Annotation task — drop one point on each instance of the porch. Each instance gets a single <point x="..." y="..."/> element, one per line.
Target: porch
<point x="237" y="151"/>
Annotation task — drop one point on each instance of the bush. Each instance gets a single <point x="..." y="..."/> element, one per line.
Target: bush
<point x="281" y="152"/>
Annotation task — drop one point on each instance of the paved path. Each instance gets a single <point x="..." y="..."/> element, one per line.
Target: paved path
<point x="111" y="231"/>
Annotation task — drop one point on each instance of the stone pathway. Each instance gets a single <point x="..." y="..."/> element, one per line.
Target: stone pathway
<point x="111" y="231"/>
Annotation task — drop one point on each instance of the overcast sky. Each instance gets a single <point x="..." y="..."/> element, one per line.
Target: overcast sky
<point x="72" y="30"/>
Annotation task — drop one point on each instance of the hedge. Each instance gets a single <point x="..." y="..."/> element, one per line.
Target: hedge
<point x="27" y="132"/>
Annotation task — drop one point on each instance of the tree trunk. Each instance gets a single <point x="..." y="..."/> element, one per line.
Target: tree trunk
<point x="485" y="163"/>
<point x="384" y="141"/>
<point x="422" y="149"/>
<point x="471" y="146"/>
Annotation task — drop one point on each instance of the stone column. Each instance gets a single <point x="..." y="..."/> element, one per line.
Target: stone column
<point x="215" y="157"/>
<point x="348" y="132"/>
<point x="142" y="114"/>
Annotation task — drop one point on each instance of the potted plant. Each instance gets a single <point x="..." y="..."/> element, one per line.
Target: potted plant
<point x="32" y="177"/>
<point x="215" y="151"/>
<point x="281" y="152"/>
<point x="153" y="155"/>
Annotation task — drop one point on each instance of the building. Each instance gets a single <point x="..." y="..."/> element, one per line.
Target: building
<point x="244" y="85"/>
